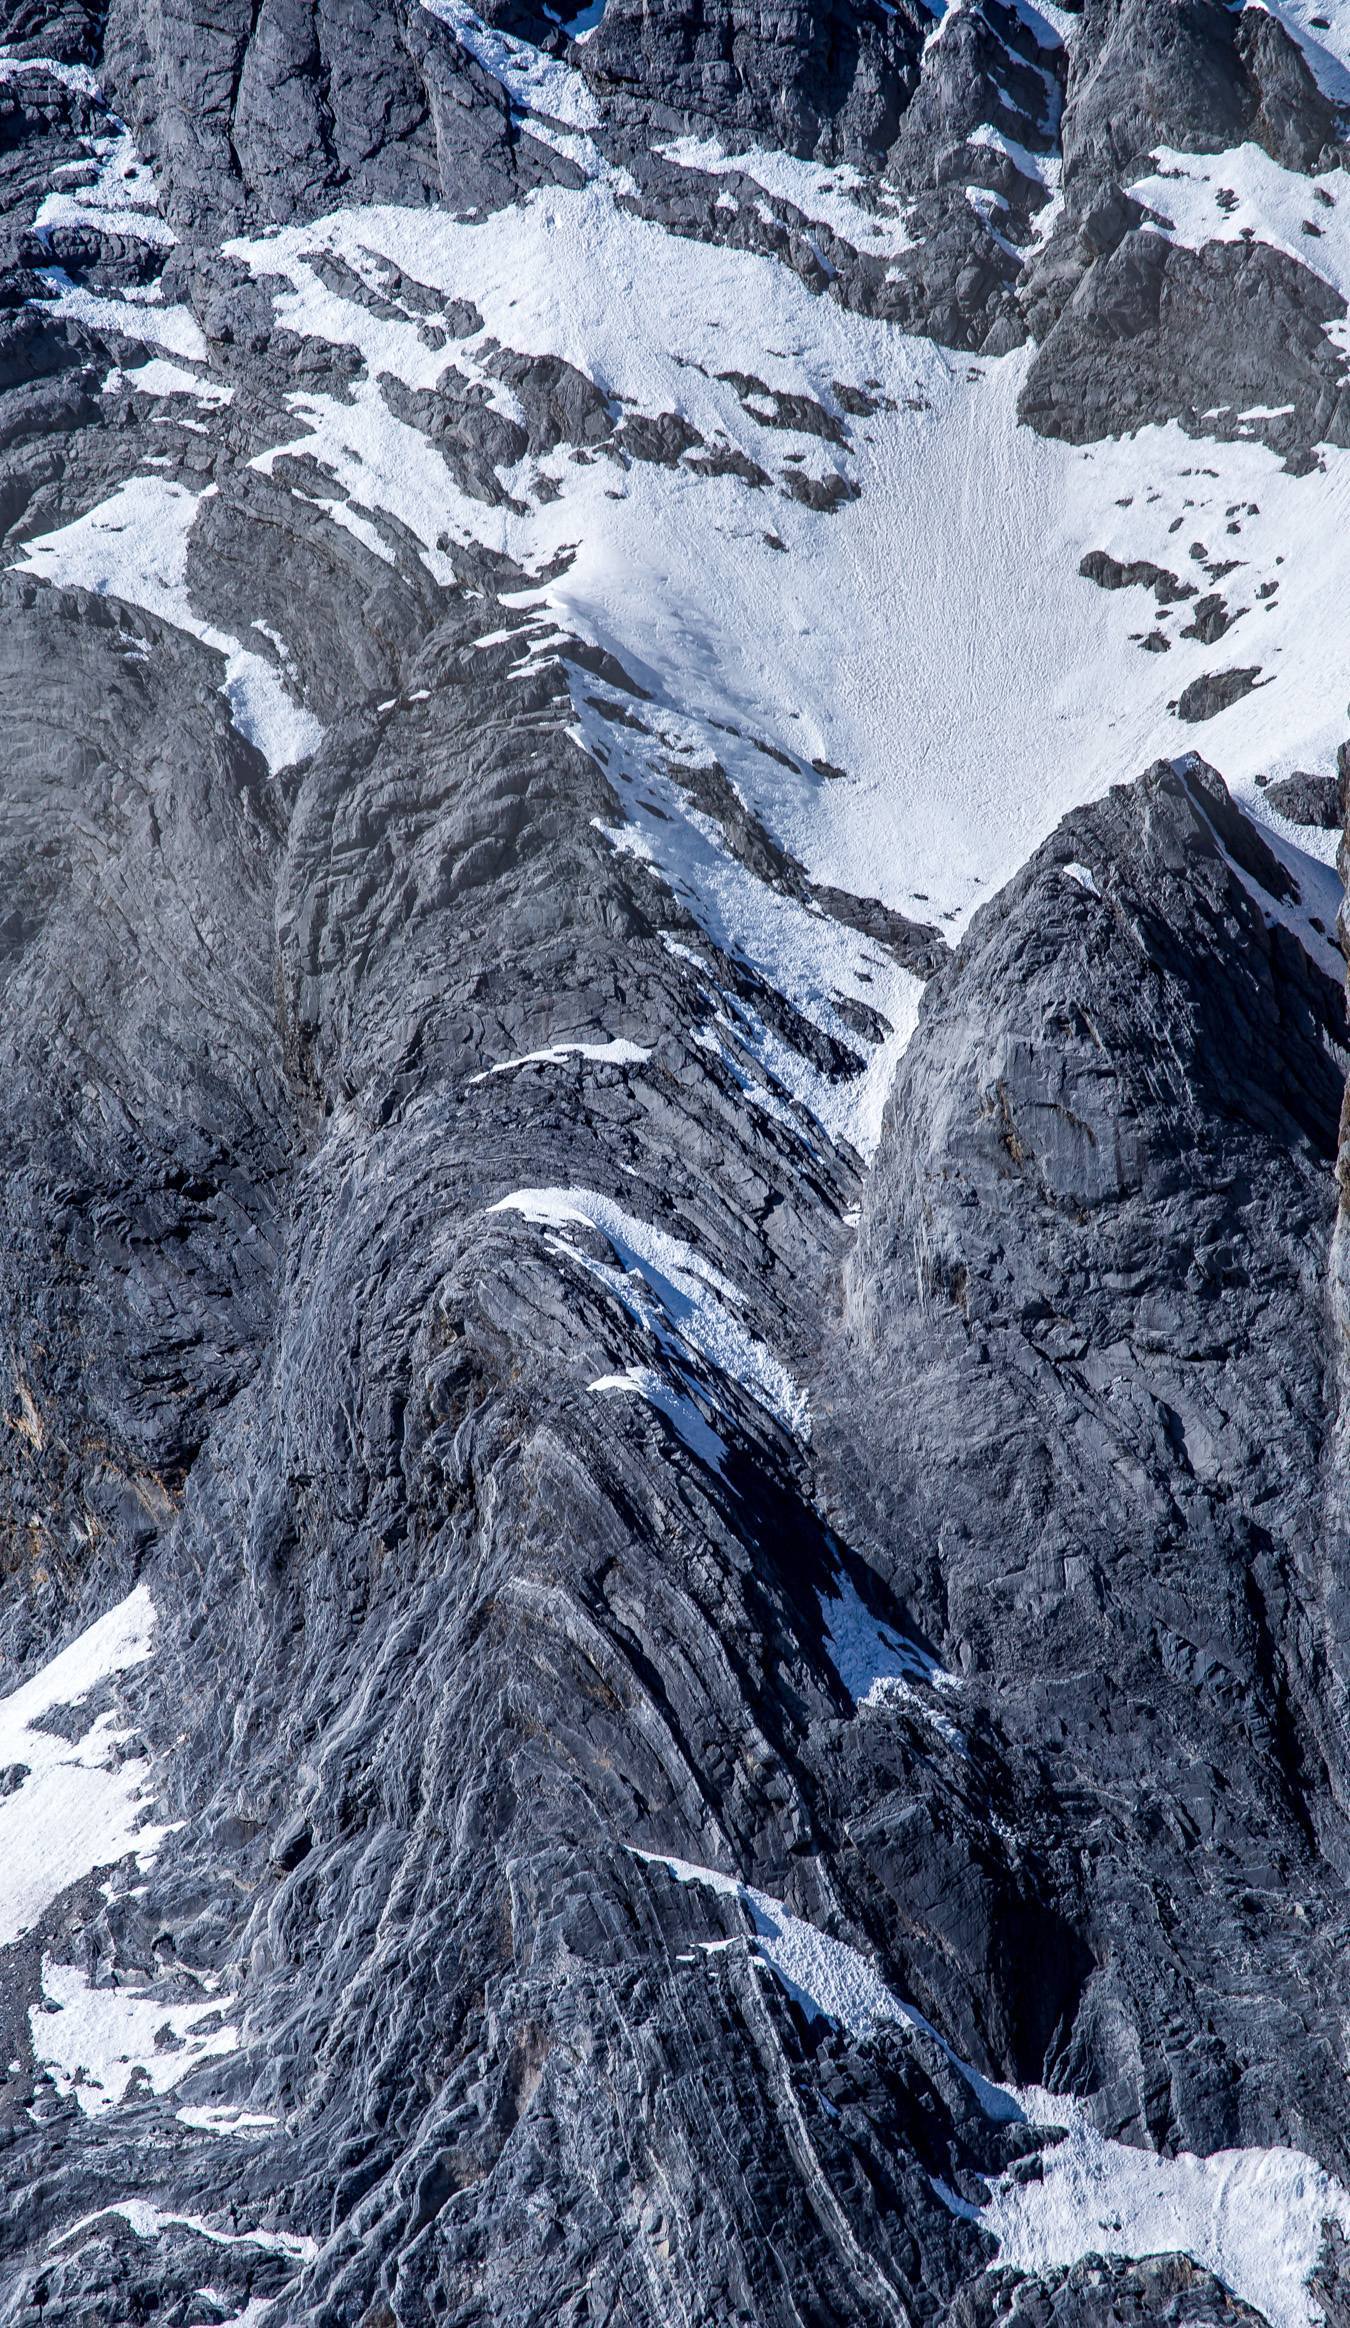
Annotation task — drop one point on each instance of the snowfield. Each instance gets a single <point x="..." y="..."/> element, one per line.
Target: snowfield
<point x="80" y="1804"/>
<point x="908" y="689"/>
<point x="932" y="637"/>
<point x="96" y="2041"/>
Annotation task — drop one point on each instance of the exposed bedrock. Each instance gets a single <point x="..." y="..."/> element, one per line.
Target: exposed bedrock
<point x="448" y="1634"/>
<point x="1191" y="74"/>
<point x="284" y="109"/>
<point x="1083" y="1332"/>
<point x="444" y="1630"/>
<point x="1131" y="325"/>
<point x="828" y="81"/>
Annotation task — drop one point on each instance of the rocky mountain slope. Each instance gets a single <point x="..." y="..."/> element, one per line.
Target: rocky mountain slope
<point x="674" y="1509"/>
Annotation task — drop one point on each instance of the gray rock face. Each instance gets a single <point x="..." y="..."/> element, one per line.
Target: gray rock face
<point x="654" y="1686"/>
<point x="1309" y="799"/>
<point x="1153" y="332"/>
<point x="1151" y="74"/>
<point x="829" y="81"/>
<point x="1215" y="691"/>
<point x="282" y="110"/>
<point x="1096" y="1423"/>
<point x="1133" y="328"/>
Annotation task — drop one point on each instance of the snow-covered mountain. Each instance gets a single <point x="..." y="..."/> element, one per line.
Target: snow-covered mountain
<point x="671" y="1041"/>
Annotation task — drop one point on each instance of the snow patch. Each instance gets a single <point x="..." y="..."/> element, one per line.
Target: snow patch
<point x="77" y="77"/>
<point x="814" y="961"/>
<point x="1322" y="30"/>
<point x="245" y="2125"/>
<point x="159" y="377"/>
<point x="1042" y="169"/>
<point x="686" y="1304"/>
<point x="254" y="2313"/>
<point x="1251" y="2217"/>
<point x="877" y="1666"/>
<point x="535" y="82"/>
<point x="829" y="1979"/>
<point x="151" y="2222"/>
<point x="383" y="464"/>
<point x="95" y="2041"/>
<point x="1241" y="195"/>
<point x="1054" y="27"/>
<point x="142" y="317"/>
<point x="677" y="1407"/>
<point x="851" y="205"/>
<point x="81" y="1805"/>
<point x="119" y="197"/>
<point x="617" y="1052"/>
<point x="134" y="547"/>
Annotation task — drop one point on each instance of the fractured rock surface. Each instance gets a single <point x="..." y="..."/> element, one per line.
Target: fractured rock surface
<point x="673" y="1497"/>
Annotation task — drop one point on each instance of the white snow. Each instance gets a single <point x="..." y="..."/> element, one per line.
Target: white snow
<point x="146" y="318"/>
<point x="688" y="1306"/>
<point x="383" y="464"/>
<point x="151" y="2222"/>
<point x="134" y="546"/>
<point x="757" y="1060"/>
<point x="1318" y="901"/>
<point x="1084" y="876"/>
<point x="804" y="954"/>
<point x="112" y="1644"/>
<point x="78" y="77"/>
<point x="1242" y="194"/>
<point x="932" y="638"/>
<point x="1252" y="2217"/>
<point x="246" y="2125"/>
<point x="1041" y="169"/>
<point x="877" y="1666"/>
<point x="254" y="2313"/>
<point x="118" y="194"/>
<point x="1054" y="27"/>
<point x="535" y="82"/>
<point x="616" y="1052"/>
<point x="838" y="197"/>
<point x="677" y="1407"/>
<point x="81" y="1806"/>
<point x="1322" y="30"/>
<point x="158" y="377"/>
<point x="828" y="1978"/>
<point x="96" y="2040"/>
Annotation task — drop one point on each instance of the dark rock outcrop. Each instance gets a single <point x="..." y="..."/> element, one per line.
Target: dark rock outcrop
<point x="829" y="82"/>
<point x="1308" y="799"/>
<point x="1084" y="1323"/>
